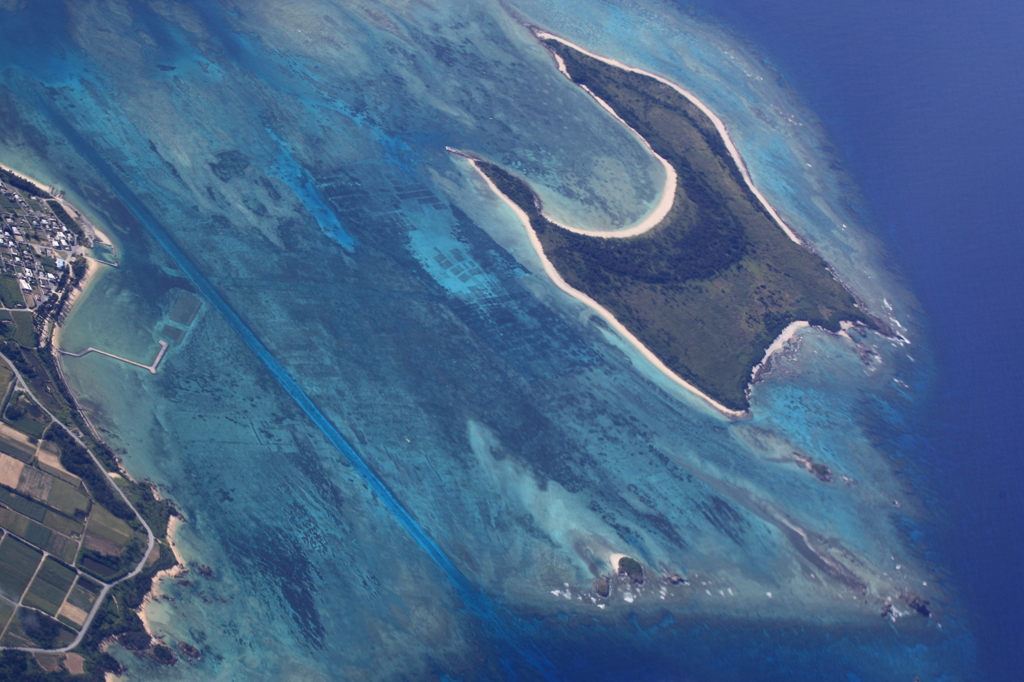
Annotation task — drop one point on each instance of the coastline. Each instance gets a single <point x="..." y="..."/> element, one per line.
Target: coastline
<point x="42" y="185"/>
<point x="173" y="523"/>
<point x="668" y="192"/>
<point x="552" y="272"/>
<point x="777" y="345"/>
<point x="646" y="224"/>
<point x="151" y="562"/>
<point x="93" y="270"/>
<point x="719" y="125"/>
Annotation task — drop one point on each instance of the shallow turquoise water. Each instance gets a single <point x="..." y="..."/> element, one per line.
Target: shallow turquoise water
<point x="510" y="442"/>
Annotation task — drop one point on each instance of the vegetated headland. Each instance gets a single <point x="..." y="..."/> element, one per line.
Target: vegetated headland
<point x="80" y="542"/>
<point x="710" y="287"/>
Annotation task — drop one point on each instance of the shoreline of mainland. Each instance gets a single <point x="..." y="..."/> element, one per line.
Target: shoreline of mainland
<point x="94" y="271"/>
<point x="179" y="568"/>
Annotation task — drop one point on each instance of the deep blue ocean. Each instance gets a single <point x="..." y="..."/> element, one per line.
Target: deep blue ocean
<point x="925" y="101"/>
<point x="407" y="455"/>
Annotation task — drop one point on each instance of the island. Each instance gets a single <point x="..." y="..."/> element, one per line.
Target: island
<point x="709" y="284"/>
<point x="80" y="541"/>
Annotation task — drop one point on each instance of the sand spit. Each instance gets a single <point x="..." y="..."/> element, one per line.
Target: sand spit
<point x="719" y="125"/>
<point x="648" y="223"/>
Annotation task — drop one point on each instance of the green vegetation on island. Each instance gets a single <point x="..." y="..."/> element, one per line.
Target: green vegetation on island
<point x="709" y="288"/>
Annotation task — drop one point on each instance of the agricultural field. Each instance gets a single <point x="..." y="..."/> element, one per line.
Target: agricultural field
<point x="49" y="461"/>
<point x="50" y="587"/>
<point x="35" y="629"/>
<point x="44" y="508"/>
<point x="25" y="415"/>
<point x="6" y="611"/>
<point x="79" y="602"/>
<point x="18" y="563"/>
<point x="16" y="444"/>
<point x="10" y="293"/>
<point x="25" y="333"/>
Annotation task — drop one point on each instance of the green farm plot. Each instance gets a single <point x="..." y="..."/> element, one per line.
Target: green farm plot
<point x="16" y="444"/>
<point x="42" y="536"/>
<point x="15" y="635"/>
<point x="38" y="535"/>
<point x="6" y="611"/>
<point x="83" y="594"/>
<point x="24" y="415"/>
<point x="25" y="334"/>
<point x="31" y="628"/>
<point x="23" y="505"/>
<point x="18" y="562"/>
<point x="13" y="521"/>
<point x="63" y="547"/>
<point x="50" y="586"/>
<point x="105" y="526"/>
<point x="104" y="544"/>
<point x="50" y="663"/>
<point x="67" y="498"/>
<point x="35" y="483"/>
<point x="48" y="459"/>
<point x="62" y="524"/>
<point x="10" y="292"/>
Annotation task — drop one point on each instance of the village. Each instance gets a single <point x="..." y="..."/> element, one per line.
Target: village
<point x="42" y="249"/>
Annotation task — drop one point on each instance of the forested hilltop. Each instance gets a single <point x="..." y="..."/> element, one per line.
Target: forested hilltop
<point x="709" y="288"/>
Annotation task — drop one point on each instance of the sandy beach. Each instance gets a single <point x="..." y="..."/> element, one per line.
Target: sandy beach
<point x="92" y="270"/>
<point x="649" y="222"/>
<point x="777" y="345"/>
<point x="172" y="528"/>
<point x="45" y="186"/>
<point x="719" y="125"/>
<point x="668" y="192"/>
<point x="549" y="268"/>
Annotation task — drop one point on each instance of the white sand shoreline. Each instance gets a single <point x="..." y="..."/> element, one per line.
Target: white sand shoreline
<point x="719" y="125"/>
<point x="646" y="224"/>
<point x="668" y="192"/>
<point x="549" y="268"/>
<point x="92" y="266"/>
<point x="154" y="591"/>
<point x="42" y="185"/>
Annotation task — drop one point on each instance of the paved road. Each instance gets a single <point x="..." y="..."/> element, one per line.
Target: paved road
<point x="106" y="586"/>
